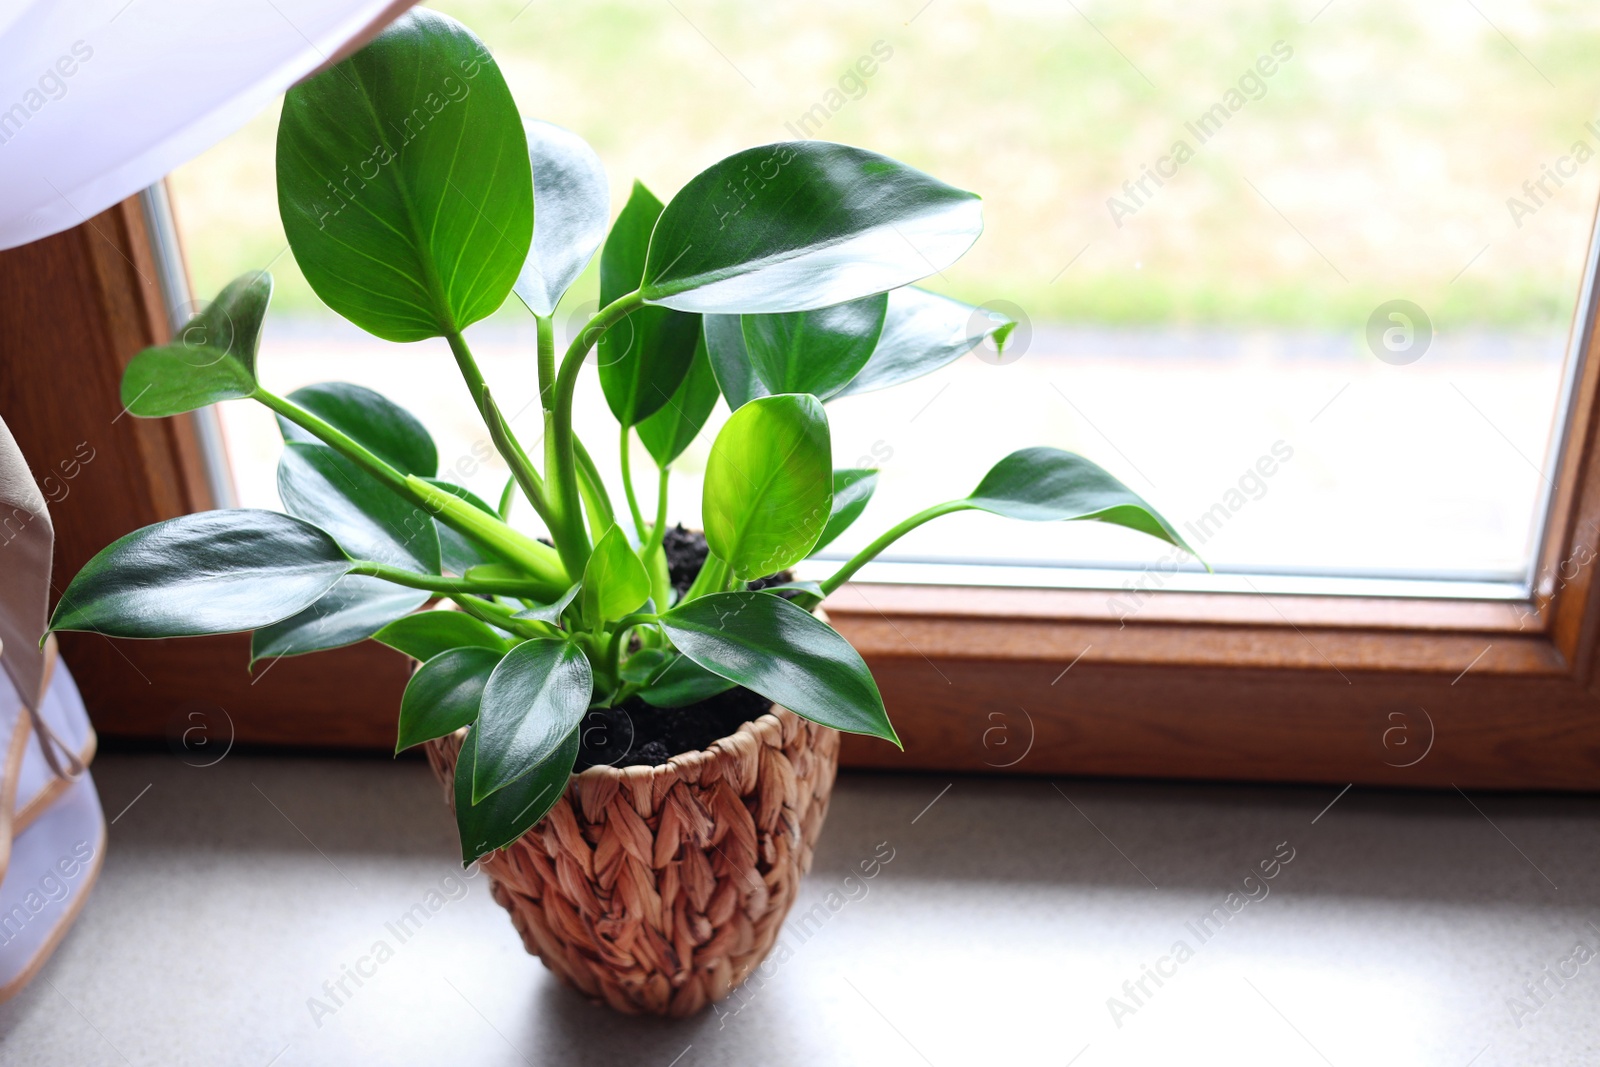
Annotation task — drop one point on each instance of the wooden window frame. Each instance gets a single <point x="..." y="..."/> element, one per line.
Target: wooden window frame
<point x="1370" y="690"/>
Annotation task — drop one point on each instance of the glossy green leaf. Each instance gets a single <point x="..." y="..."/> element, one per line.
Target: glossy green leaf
<point x="404" y="181"/>
<point x="769" y="485"/>
<point x="385" y="428"/>
<point x="353" y="610"/>
<point x="444" y="694"/>
<point x="506" y="814"/>
<point x="369" y="521"/>
<point x="534" y="699"/>
<point x="804" y="224"/>
<point x="683" y="683"/>
<point x="212" y="358"/>
<point x="803" y="594"/>
<point x="213" y="572"/>
<point x="1047" y="484"/>
<point x="643" y="358"/>
<point x="551" y="613"/>
<point x="570" y="206"/>
<point x="459" y="553"/>
<point x="614" y="581"/>
<point x="816" y="352"/>
<point x="922" y="332"/>
<point x="672" y="429"/>
<point x="786" y="654"/>
<point x="852" y="488"/>
<point x="425" y="634"/>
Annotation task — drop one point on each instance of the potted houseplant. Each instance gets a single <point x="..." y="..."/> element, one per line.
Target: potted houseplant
<point x="416" y="200"/>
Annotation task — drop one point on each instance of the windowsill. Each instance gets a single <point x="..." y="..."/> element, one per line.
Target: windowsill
<point x="996" y="934"/>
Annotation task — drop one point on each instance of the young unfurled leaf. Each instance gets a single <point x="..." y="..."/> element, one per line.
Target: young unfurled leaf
<point x="614" y="582"/>
<point x="672" y="429"/>
<point x="404" y="181"/>
<point x="922" y="332"/>
<point x="534" y="699"/>
<point x="786" y="654"/>
<point x="684" y="682"/>
<point x="816" y="352"/>
<point x="769" y="484"/>
<point x="570" y="206"/>
<point x="643" y="358"/>
<point x="800" y="225"/>
<point x="369" y="521"/>
<point x="213" y="572"/>
<point x="444" y="694"/>
<point x="551" y="613"/>
<point x="425" y="634"/>
<point x="852" y="488"/>
<point x="353" y="610"/>
<point x="1047" y="484"/>
<point x="506" y="814"/>
<point x="385" y="428"/>
<point x="212" y="358"/>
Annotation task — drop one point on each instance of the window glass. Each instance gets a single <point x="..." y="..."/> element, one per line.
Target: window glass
<point x="1302" y="276"/>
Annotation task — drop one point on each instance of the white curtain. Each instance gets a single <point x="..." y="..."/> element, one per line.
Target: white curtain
<point x="100" y="98"/>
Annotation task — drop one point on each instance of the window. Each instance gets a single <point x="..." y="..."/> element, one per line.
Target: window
<point x="1334" y="341"/>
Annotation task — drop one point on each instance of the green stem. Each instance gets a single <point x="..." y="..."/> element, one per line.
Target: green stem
<point x="435" y="583"/>
<point x="546" y="327"/>
<point x="889" y="537"/>
<point x="563" y="478"/>
<point x="596" y="501"/>
<point x="505" y="442"/>
<point x="627" y="485"/>
<point x="658" y="532"/>
<point x="711" y="578"/>
<point x="495" y="615"/>
<point x="506" y="498"/>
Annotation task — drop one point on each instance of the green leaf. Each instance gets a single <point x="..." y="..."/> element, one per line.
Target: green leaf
<point x="803" y="224"/>
<point x="534" y="699"/>
<point x="643" y="358"/>
<point x="570" y="206"/>
<point x="922" y="332"/>
<point x="212" y="358"/>
<point x="353" y="610"/>
<point x="786" y="654"/>
<point x="551" y="613"/>
<point x="769" y="484"/>
<point x="444" y="694"/>
<point x="802" y="594"/>
<point x="213" y="572"/>
<point x="672" y="429"/>
<point x="458" y="552"/>
<point x="1047" y="485"/>
<point x="369" y="521"/>
<point x="425" y="634"/>
<point x="404" y="181"/>
<point x="816" y="352"/>
<point x="683" y="683"/>
<point x="388" y="430"/>
<point x="614" y="581"/>
<point x="852" y="488"/>
<point x="507" y="814"/>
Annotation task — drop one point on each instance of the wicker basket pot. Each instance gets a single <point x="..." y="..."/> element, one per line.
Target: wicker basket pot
<point x="659" y="889"/>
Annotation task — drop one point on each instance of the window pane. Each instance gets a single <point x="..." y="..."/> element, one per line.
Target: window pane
<point x="1302" y="278"/>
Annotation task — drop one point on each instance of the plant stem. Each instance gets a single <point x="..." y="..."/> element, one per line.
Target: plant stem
<point x="505" y="442"/>
<point x="627" y="485"/>
<point x="435" y="583"/>
<point x="563" y="478"/>
<point x="546" y="327"/>
<point x="889" y="537"/>
<point x="506" y="498"/>
<point x="710" y="579"/>
<point x="495" y="615"/>
<point x="658" y="532"/>
<point x="596" y="501"/>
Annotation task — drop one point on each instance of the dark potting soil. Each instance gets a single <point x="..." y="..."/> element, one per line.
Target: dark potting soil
<point x="635" y="734"/>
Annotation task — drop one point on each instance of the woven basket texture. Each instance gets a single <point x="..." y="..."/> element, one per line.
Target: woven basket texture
<point x="656" y="890"/>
